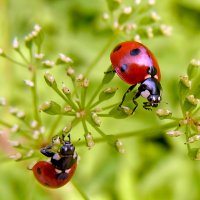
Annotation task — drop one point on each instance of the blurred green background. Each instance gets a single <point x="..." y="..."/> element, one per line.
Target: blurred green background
<point x="153" y="167"/>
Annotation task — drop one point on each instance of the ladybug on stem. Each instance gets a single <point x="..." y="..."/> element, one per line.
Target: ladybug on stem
<point x="135" y="64"/>
<point x="62" y="166"/>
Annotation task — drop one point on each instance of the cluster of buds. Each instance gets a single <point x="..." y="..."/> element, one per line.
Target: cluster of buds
<point x="146" y="24"/>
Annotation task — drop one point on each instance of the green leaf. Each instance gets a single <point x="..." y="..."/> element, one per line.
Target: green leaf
<point x="118" y="113"/>
<point x="194" y="153"/>
<point x="51" y="108"/>
<point x="109" y="74"/>
<point x="107" y="93"/>
<point x="113" y="4"/>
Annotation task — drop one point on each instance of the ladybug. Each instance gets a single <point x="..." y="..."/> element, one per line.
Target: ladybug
<point x="135" y="64"/>
<point x="62" y="166"/>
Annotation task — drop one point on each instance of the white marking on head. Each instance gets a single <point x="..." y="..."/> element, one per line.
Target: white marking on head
<point x="56" y="156"/>
<point x="58" y="171"/>
<point x="147" y="76"/>
<point x="156" y="76"/>
<point x="145" y="93"/>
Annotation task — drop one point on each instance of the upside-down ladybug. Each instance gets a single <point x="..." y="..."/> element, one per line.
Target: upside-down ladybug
<point x="135" y="64"/>
<point x="62" y="166"/>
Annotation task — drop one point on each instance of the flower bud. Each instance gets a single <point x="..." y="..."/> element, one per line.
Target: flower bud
<point x="51" y="107"/>
<point x="174" y="133"/>
<point x="193" y="138"/>
<point x="164" y="113"/>
<point x="15" y="44"/>
<point x="2" y="101"/>
<point x="29" y="83"/>
<point x="67" y="128"/>
<point x="15" y="128"/>
<point x="64" y="59"/>
<point x="192" y="100"/>
<point x="96" y="119"/>
<point x="50" y="80"/>
<point x="127" y="110"/>
<point x="67" y="108"/>
<point x="48" y="63"/>
<point x="119" y="146"/>
<point x="70" y="71"/>
<point x="16" y="156"/>
<point x="14" y="143"/>
<point x="89" y="140"/>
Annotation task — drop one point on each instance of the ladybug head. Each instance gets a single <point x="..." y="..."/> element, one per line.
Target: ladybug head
<point x="150" y="89"/>
<point x="154" y="100"/>
<point x="67" y="149"/>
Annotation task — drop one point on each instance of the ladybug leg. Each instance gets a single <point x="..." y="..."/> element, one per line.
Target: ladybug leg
<point x="62" y="176"/>
<point x="47" y="151"/>
<point x="110" y="71"/>
<point x="147" y="106"/>
<point x="124" y="97"/>
<point x="135" y="102"/>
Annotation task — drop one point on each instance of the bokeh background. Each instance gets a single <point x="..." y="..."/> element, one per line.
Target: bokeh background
<point x="153" y="166"/>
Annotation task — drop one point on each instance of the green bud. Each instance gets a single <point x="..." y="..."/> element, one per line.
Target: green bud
<point x="193" y="68"/>
<point x="113" y="4"/>
<point x="50" y="80"/>
<point x="190" y="103"/>
<point x="51" y="108"/>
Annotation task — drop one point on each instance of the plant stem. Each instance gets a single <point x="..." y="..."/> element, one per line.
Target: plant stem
<point x="94" y="95"/>
<point x="35" y="97"/>
<point x="79" y="189"/>
<point x="100" y="55"/>
<point x="54" y="126"/>
<point x="16" y="62"/>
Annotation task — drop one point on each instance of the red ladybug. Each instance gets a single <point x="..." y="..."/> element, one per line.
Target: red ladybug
<point x="135" y="64"/>
<point x="62" y="166"/>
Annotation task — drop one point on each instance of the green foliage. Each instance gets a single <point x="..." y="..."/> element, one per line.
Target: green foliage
<point x="130" y="156"/>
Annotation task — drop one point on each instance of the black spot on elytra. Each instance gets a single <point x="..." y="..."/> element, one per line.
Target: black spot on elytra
<point x="46" y="184"/>
<point x="135" y="52"/>
<point x="124" y="67"/>
<point x="39" y="170"/>
<point x="117" y="48"/>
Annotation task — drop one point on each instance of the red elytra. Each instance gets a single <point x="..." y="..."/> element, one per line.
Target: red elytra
<point x="131" y="61"/>
<point x="46" y="174"/>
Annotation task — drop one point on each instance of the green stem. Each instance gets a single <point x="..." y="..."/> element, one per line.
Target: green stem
<point x="79" y="189"/>
<point x="94" y="95"/>
<point x="147" y="132"/>
<point x="110" y="106"/>
<point x="100" y="55"/>
<point x="35" y="97"/>
<point x="22" y="56"/>
<point x="5" y="124"/>
<point x="16" y="62"/>
<point x="54" y="127"/>
<point x="85" y="126"/>
<point x="68" y="100"/>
